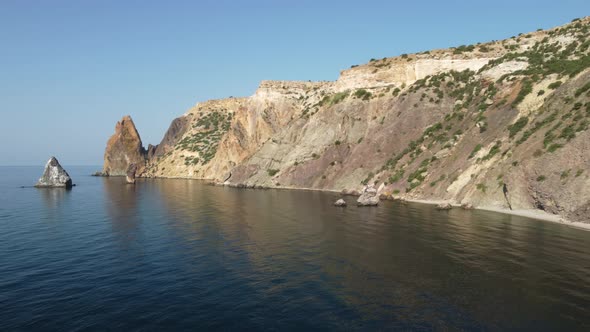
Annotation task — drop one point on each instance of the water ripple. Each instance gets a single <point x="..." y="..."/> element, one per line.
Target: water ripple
<point x="178" y="254"/>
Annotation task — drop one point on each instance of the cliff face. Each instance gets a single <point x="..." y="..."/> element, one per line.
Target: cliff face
<point x="502" y="124"/>
<point x="123" y="148"/>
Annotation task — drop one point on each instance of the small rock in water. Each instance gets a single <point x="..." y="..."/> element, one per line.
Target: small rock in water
<point x="368" y="197"/>
<point x="54" y="176"/>
<point x="130" y="177"/>
<point x="467" y="206"/>
<point x="444" y="206"/>
<point x="340" y="202"/>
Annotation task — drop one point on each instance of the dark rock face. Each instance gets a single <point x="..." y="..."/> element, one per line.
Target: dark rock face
<point x="130" y="177"/>
<point x="54" y="176"/>
<point x="151" y="151"/>
<point x="226" y="177"/>
<point x="123" y="148"/>
<point x="174" y="133"/>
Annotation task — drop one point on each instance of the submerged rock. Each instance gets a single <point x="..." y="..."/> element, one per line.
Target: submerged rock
<point x="54" y="176"/>
<point x="340" y="202"/>
<point x="130" y="177"/>
<point x="368" y="197"/>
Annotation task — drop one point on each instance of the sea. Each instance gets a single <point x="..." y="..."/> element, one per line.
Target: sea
<point x="182" y="255"/>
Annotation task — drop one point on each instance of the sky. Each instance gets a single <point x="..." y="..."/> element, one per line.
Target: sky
<point x="69" y="70"/>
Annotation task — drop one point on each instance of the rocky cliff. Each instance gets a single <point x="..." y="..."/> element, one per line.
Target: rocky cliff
<point x="123" y="149"/>
<point x="498" y="125"/>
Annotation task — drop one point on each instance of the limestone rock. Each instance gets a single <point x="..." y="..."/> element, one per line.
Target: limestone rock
<point x="368" y="197"/>
<point x="123" y="149"/>
<point x="130" y="177"/>
<point x="340" y="202"/>
<point x="54" y="176"/>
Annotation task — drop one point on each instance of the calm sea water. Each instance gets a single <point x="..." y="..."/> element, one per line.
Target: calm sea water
<point x="178" y="254"/>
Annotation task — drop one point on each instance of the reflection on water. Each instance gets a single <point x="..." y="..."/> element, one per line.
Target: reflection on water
<point x="53" y="197"/>
<point x="396" y="262"/>
<point x="121" y="205"/>
<point x="178" y="254"/>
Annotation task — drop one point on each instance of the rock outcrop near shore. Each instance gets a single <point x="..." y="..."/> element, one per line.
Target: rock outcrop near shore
<point x="368" y="197"/>
<point x="123" y="149"/>
<point x="501" y="125"/>
<point x="54" y="176"/>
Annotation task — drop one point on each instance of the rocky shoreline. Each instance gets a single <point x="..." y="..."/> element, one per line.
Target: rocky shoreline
<point x="528" y="213"/>
<point x="503" y="124"/>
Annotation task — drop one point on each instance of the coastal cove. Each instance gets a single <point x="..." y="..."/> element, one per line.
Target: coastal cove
<point x="182" y="254"/>
<point x="501" y="125"/>
<point x="527" y="213"/>
<point x="295" y="166"/>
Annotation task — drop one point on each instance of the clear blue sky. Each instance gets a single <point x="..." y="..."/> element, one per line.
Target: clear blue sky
<point x="70" y="69"/>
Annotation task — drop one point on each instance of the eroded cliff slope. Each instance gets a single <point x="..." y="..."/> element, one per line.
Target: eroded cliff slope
<point x="502" y="124"/>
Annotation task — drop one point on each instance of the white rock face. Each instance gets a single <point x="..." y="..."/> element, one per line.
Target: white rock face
<point x="496" y="72"/>
<point x="54" y="176"/>
<point x="340" y="202"/>
<point x="405" y="72"/>
<point x="369" y="197"/>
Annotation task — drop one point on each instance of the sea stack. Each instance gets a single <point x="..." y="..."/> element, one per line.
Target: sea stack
<point x="54" y="176"/>
<point x="123" y="149"/>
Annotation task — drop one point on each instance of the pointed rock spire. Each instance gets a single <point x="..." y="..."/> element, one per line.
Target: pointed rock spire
<point x="54" y="176"/>
<point x="123" y="149"/>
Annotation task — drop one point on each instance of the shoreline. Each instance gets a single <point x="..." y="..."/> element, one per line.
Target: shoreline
<point x="527" y="213"/>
